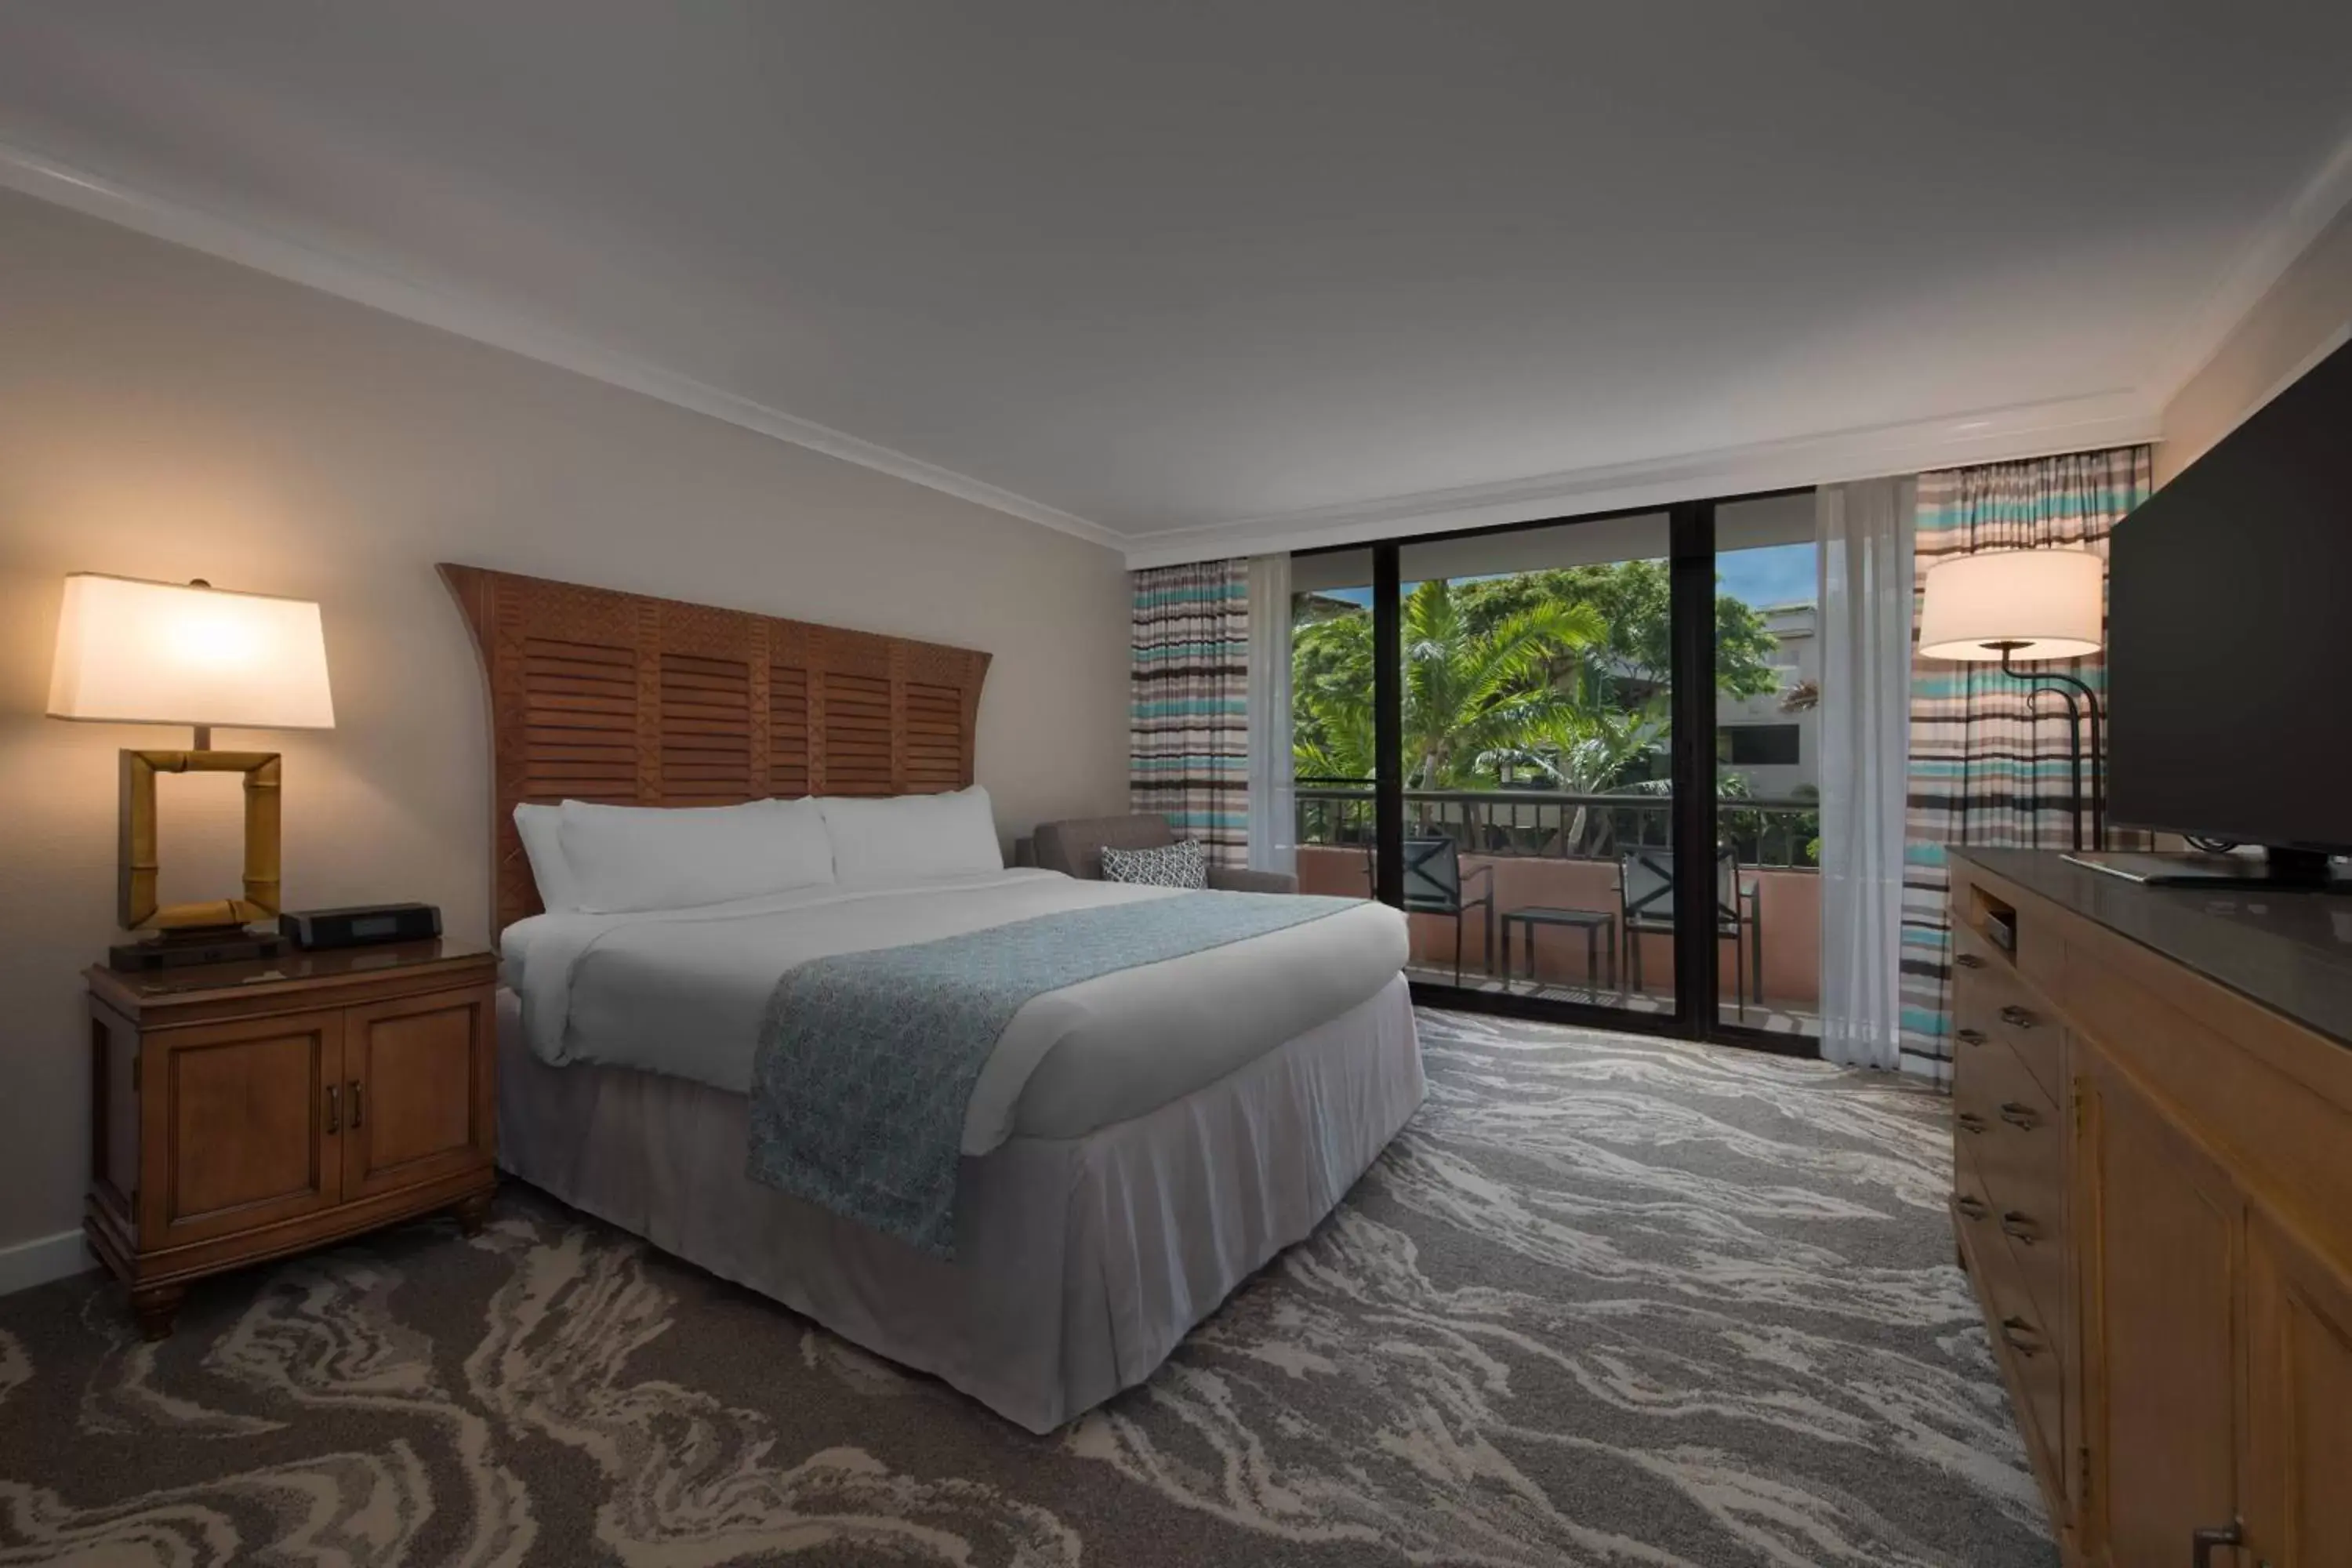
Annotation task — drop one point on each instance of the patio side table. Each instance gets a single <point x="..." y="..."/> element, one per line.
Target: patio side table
<point x="1592" y="922"/>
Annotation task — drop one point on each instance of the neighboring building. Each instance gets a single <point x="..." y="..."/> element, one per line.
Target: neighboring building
<point x="1307" y="608"/>
<point x="1776" y="746"/>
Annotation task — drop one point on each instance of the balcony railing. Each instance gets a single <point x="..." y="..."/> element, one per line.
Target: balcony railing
<point x="1770" y="833"/>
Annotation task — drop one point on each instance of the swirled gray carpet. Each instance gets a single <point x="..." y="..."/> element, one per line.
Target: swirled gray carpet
<point x="1607" y="1300"/>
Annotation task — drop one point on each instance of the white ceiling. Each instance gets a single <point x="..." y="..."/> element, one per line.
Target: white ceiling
<point x="1187" y="278"/>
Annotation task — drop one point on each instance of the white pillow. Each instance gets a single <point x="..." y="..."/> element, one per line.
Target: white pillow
<point x="627" y="858"/>
<point x="543" y="847"/>
<point x="912" y="837"/>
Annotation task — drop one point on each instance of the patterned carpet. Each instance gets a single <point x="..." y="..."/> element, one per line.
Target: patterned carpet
<point x="1608" y="1301"/>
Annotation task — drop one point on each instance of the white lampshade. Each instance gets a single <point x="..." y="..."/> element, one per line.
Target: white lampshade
<point x="2031" y="603"/>
<point x="164" y="653"/>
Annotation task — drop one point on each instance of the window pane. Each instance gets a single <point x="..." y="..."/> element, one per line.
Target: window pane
<point x="1331" y="721"/>
<point x="1767" y="797"/>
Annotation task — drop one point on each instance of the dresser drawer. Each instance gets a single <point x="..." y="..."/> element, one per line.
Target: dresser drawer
<point x="2039" y="1247"/>
<point x="1975" y="1218"/>
<point x="2008" y="1138"/>
<point x="2024" y="1332"/>
<point x="2027" y="1338"/>
<point x="1991" y="1000"/>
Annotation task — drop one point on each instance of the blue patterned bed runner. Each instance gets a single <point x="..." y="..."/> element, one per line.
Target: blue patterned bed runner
<point x="867" y="1060"/>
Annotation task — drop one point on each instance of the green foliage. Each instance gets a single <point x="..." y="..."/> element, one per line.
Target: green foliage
<point x="1582" y="751"/>
<point x="1470" y="694"/>
<point x="1632" y="600"/>
<point x="1560" y="674"/>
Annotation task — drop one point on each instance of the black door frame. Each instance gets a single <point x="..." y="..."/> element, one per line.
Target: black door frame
<point x="1388" y="729"/>
<point x="1691" y="593"/>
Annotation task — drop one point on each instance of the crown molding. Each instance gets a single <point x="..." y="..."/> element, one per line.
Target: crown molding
<point x="2277" y="244"/>
<point x="1985" y="436"/>
<point x="253" y="242"/>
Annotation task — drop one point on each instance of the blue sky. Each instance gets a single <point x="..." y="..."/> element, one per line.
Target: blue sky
<point x="1770" y="575"/>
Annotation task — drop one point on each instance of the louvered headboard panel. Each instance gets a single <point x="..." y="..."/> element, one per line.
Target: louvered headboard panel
<point x="631" y="700"/>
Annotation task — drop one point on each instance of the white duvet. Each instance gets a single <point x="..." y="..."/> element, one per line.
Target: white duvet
<point x="683" y="992"/>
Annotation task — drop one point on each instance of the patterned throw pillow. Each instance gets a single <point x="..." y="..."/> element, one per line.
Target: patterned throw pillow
<point x="1181" y="865"/>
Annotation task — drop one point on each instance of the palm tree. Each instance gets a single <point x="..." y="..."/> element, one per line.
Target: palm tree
<point x="1470" y="695"/>
<point x="1584" y="752"/>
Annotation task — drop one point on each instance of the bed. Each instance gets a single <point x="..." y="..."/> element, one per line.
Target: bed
<point x="1134" y="1144"/>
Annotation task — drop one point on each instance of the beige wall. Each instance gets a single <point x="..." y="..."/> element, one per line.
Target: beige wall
<point x="163" y="415"/>
<point x="2304" y="315"/>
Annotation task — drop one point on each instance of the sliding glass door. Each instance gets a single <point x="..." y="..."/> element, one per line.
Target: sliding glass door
<point x="1511" y="734"/>
<point x="1536" y="675"/>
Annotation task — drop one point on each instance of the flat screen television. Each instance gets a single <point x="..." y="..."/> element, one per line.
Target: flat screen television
<point x="2229" y="636"/>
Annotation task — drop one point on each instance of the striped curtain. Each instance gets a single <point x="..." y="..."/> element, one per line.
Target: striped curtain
<point x="1987" y="766"/>
<point x="1189" y="710"/>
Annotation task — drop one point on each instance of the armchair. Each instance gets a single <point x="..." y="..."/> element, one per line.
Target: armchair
<point x="1074" y="849"/>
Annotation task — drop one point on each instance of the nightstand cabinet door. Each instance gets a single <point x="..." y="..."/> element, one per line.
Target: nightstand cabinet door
<point x="236" y="1126"/>
<point x="418" y="1095"/>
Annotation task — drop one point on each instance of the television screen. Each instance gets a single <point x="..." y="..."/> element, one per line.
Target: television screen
<point x="2229" y="633"/>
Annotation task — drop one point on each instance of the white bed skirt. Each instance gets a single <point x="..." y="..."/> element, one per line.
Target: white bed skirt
<point x="1080" y="1262"/>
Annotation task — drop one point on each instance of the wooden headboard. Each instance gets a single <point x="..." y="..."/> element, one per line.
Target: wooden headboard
<point x="632" y="701"/>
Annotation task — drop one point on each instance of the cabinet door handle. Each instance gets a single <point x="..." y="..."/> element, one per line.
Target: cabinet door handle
<point x="2019" y="1335"/>
<point x="2020" y="1117"/>
<point x="1967" y="960"/>
<point x="334" y="1122"/>
<point x="1969" y="1036"/>
<point x="1970" y="1206"/>
<point x="2018" y="1017"/>
<point x="2019" y="1228"/>
<point x="355" y="1105"/>
<point x="1968" y="1121"/>
<point x="2202" y="1542"/>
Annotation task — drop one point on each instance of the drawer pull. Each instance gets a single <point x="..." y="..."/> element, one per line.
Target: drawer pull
<point x="1969" y="1036"/>
<point x="2202" y="1542"/>
<point x="334" y="1122"/>
<point x="1970" y="1206"/>
<point x="2020" y="1117"/>
<point x="1968" y="1121"/>
<point x="2020" y="1336"/>
<point x="2018" y="1017"/>
<point x="1967" y="960"/>
<point x="2020" y="1228"/>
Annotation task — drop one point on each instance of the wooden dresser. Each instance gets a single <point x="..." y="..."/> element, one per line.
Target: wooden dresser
<point x="245" y="1110"/>
<point x="2152" y="1110"/>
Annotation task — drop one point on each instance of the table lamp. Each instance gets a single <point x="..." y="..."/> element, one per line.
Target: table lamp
<point x="134" y="652"/>
<point x="2025" y="606"/>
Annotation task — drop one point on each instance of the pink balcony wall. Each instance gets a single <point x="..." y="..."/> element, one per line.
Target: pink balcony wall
<point x="1789" y="906"/>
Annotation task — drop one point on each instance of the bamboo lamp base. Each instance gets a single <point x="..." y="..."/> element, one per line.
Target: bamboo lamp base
<point x="139" y="863"/>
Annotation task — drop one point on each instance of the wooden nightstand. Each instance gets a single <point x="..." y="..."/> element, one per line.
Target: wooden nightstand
<point x="241" y="1111"/>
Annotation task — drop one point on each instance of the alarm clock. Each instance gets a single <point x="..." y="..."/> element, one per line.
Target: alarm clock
<point x="361" y="925"/>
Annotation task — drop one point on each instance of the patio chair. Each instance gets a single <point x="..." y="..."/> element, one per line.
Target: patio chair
<point x="1646" y="893"/>
<point x="1434" y="885"/>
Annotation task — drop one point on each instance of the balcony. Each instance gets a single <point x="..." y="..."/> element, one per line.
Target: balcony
<point x="1553" y="850"/>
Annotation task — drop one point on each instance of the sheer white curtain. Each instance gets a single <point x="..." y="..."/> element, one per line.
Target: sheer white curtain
<point x="1864" y="536"/>
<point x="1273" y="821"/>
